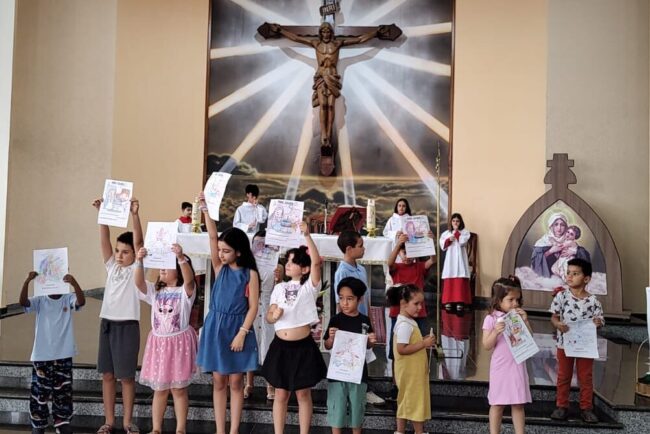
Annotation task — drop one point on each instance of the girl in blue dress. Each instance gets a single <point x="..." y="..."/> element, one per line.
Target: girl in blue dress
<point x="228" y="347"/>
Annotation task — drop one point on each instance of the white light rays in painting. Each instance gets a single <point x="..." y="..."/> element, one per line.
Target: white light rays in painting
<point x="345" y="154"/>
<point x="254" y="87"/>
<point x="393" y="134"/>
<point x="380" y="12"/>
<point x="416" y="63"/>
<point x="367" y="82"/>
<point x="263" y="12"/>
<point x="266" y="121"/>
<point x="301" y="155"/>
<point x="426" y="30"/>
<point x="240" y="50"/>
<point x="405" y="102"/>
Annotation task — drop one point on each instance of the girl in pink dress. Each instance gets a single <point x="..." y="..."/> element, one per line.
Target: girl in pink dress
<point x="169" y="360"/>
<point x="508" y="379"/>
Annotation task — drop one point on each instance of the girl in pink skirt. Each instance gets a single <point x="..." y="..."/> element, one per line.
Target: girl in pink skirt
<point x="508" y="379"/>
<point x="170" y="353"/>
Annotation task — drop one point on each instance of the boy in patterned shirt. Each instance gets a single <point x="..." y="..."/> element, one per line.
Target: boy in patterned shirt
<point x="570" y="305"/>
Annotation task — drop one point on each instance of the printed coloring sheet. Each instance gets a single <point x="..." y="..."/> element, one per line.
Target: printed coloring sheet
<point x="283" y="226"/>
<point x="114" y="210"/>
<point x="419" y="244"/>
<point x="51" y="265"/>
<point x="158" y="242"/>
<point x="214" y="191"/>
<point x="581" y="340"/>
<point x="518" y="337"/>
<point x="266" y="256"/>
<point x="347" y="357"/>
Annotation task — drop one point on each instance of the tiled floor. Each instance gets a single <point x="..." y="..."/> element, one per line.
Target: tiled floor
<point x="614" y="374"/>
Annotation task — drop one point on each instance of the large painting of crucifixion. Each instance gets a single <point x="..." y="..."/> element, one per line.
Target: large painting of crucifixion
<point x="369" y="119"/>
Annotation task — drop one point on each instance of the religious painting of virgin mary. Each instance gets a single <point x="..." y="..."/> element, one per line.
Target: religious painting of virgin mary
<point x="557" y="236"/>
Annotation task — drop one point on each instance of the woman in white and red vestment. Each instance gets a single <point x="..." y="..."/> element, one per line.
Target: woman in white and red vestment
<point x="455" y="273"/>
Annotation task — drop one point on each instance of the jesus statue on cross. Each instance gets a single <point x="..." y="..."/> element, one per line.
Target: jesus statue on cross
<point x="327" y="81"/>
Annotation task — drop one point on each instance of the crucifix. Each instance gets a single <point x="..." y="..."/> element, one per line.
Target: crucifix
<point x="327" y="82"/>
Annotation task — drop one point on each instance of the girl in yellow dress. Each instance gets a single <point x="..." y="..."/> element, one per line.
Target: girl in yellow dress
<point x="411" y="362"/>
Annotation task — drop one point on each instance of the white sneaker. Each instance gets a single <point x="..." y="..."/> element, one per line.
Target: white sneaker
<point x="372" y="398"/>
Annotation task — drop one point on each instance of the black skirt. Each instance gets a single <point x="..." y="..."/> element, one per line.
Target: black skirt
<point x="293" y="365"/>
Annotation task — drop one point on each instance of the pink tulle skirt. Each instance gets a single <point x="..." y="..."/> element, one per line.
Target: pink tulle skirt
<point x="169" y="362"/>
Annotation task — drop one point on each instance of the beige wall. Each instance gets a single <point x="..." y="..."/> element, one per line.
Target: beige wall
<point x="61" y="128"/>
<point x="598" y="113"/>
<point x="499" y="120"/>
<point x="160" y="102"/>
<point x="97" y="86"/>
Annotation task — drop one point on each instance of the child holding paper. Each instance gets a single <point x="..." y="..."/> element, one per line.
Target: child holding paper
<point x="351" y="245"/>
<point x="294" y="362"/>
<point x="250" y="214"/>
<point x="119" y="336"/>
<point x="408" y="270"/>
<point x="263" y="330"/>
<point x="54" y="347"/>
<point x="508" y="379"/>
<point x="346" y="402"/>
<point x="411" y="361"/>
<point x="405" y="271"/>
<point x="570" y="305"/>
<point x="227" y="347"/>
<point x="169" y="357"/>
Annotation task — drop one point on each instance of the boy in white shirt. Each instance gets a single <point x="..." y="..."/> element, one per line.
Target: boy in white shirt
<point x="250" y="214"/>
<point x="119" y="330"/>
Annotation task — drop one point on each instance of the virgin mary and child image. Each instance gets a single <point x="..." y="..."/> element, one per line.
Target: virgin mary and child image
<point x="546" y="267"/>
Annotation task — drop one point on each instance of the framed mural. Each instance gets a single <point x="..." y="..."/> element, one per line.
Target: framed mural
<point x="393" y="103"/>
<point x="556" y="228"/>
<point x="558" y="235"/>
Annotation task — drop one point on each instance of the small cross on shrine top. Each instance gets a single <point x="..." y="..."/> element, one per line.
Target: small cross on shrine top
<point x="560" y="175"/>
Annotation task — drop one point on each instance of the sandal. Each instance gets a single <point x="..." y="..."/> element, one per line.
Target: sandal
<point x="248" y="391"/>
<point x="132" y="429"/>
<point x="105" y="429"/>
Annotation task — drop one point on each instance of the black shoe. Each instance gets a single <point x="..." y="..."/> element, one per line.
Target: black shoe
<point x="588" y="416"/>
<point x="392" y="395"/>
<point x="560" y="413"/>
<point x="38" y="430"/>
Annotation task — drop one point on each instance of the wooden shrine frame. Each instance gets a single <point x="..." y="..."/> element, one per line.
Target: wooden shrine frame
<point x="559" y="177"/>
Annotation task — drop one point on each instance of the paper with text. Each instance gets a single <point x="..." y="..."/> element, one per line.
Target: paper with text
<point x="347" y="357"/>
<point x="115" y="208"/>
<point x="518" y="337"/>
<point x="283" y="226"/>
<point x="158" y="242"/>
<point x="51" y="265"/>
